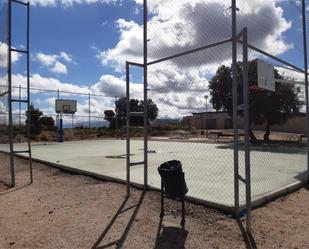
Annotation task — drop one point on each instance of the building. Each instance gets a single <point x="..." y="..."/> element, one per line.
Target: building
<point x="209" y="120"/>
<point x="221" y="120"/>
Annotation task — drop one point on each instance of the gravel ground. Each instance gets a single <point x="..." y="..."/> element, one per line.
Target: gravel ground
<point x="62" y="210"/>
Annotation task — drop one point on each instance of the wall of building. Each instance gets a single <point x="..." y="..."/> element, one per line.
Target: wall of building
<point x="221" y="120"/>
<point x="293" y="125"/>
<point x="209" y="120"/>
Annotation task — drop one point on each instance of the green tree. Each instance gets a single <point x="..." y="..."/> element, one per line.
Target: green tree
<point x="136" y="105"/>
<point x="109" y="115"/>
<point x="47" y="123"/>
<point x="37" y="122"/>
<point x="266" y="107"/>
<point x="153" y="110"/>
<point x="33" y="118"/>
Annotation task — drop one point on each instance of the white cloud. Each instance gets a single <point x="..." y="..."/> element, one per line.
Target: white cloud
<point x="45" y="59"/>
<point x="70" y="3"/>
<point x="171" y="90"/>
<point x="59" y="68"/>
<point x="178" y="86"/>
<point x="129" y="47"/>
<point x="45" y="100"/>
<point x="4" y="56"/>
<point x="66" y="57"/>
<point x="52" y="61"/>
<point x="176" y="27"/>
<point x="111" y="86"/>
<point x="38" y="81"/>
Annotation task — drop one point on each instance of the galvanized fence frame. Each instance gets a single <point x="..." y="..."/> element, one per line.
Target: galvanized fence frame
<point x="145" y="65"/>
<point x="11" y="99"/>
<point x="89" y="116"/>
<point x="242" y="39"/>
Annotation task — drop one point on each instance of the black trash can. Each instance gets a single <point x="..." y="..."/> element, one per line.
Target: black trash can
<point x="173" y="179"/>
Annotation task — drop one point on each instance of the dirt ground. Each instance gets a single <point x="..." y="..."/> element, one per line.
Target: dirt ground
<point x="62" y="210"/>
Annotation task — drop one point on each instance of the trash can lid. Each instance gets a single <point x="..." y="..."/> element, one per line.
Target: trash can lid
<point x="169" y="167"/>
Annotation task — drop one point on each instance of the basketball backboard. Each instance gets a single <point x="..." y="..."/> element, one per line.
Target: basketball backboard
<point x="66" y="106"/>
<point x="266" y="75"/>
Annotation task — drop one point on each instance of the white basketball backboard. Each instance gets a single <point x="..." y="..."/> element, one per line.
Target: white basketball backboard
<point x="66" y="106"/>
<point x="266" y="75"/>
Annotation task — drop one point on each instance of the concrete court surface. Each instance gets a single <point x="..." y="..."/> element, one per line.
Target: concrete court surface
<point x="209" y="168"/>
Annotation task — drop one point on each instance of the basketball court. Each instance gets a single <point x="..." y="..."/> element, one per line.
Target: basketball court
<point x="209" y="175"/>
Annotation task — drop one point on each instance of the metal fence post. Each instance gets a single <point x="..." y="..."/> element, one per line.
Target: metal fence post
<point x="246" y="92"/>
<point x="306" y="79"/>
<point x="235" y="103"/>
<point x="19" y="113"/>
<point x="89" y="110"/>
<point x="28" y="90"/>
<point x="57" y="117"/>
<point x="145" y="96"/>
<point x="10" y="94"/>
<point x="128" y="125"/>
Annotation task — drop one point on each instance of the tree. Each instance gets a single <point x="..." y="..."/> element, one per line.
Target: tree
<point x="135" y="106"/>
<point x="152" y="108"/>
<point x="46" y="123"/>
<point x="37" y="122"/>
<point x="33" y="118"/>
<point x="110" y="116"/>
<point x="266" y="107"/>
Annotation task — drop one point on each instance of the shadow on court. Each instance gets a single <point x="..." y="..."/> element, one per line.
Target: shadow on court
<point x="284" y="148"/>
<point x="119" y="242"/>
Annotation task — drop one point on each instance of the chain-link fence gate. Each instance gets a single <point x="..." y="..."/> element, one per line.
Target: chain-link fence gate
<point x="9" y="55"/>
<point x="192" y="56"/>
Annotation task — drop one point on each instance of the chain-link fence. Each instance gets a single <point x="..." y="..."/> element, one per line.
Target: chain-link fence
<point x="279" y="154"/>
<point x="196" y="68"/>
<point x="179" y="87"/>
<point x="196" y="80"/>
<point x="89" y="116"/>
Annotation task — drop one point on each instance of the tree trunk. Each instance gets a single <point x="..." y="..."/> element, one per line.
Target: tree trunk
<point x="267" y="133"/>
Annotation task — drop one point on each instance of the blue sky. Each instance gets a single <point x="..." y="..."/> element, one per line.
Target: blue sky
<point x="81" y="45"/>
<point x="76" y="31"/>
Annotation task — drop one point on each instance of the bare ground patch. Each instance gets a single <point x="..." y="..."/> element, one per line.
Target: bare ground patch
<point x="61" y="210"/>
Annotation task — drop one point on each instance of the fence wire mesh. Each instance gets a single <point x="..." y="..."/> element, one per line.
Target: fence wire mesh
<point x="192" y="94"/>
<point x="88" y="122"/>
<point x="194" y="126"/>
<point x="180" y="89"/>
<point x="278" y="159"/>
